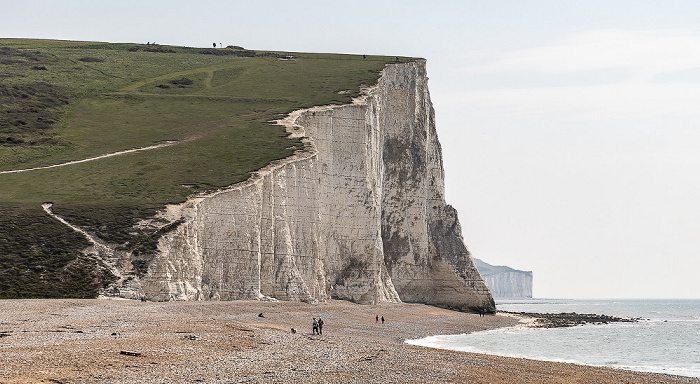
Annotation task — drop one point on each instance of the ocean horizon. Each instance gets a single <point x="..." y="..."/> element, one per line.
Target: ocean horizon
<point x="666" y="339"/>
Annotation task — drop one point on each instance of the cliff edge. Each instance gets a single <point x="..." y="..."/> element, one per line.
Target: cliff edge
<point x="358" y="215"/>
<point x="506" y="282"/>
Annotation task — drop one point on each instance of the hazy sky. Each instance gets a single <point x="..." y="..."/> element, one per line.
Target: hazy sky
<point x="570" y="129"/>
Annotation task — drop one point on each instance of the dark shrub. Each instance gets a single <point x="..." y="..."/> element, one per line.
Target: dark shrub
<point x="91" y="60"/>
<point x="183" y="81"/>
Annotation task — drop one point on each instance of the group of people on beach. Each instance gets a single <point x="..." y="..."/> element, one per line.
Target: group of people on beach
<point x="317" y="326"/>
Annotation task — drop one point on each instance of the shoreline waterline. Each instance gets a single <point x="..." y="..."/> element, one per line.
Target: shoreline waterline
<point x="431" y="341"/>
<point x="663" y="339"/>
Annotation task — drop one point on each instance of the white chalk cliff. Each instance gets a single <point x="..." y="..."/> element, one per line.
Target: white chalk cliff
<point x="505" y="282"/>
<point x="359" y="215"/>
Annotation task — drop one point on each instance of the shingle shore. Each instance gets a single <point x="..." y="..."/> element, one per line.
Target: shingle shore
<point x="81" y="341"/>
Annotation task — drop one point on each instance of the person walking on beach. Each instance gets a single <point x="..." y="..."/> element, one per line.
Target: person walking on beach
<point x="320" y="326"/>
<point x="376" y="319"/>
<point x="382" y="319"/>
<point x="314" y="327"/>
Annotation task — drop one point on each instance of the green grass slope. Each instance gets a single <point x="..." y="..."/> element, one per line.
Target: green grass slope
<point x="63" y="101"/>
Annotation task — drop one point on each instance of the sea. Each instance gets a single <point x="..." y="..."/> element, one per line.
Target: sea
<point x="666" y="339"/>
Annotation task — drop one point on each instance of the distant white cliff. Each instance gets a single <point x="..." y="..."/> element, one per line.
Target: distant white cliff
<point x="506" y="282"/>
<point x="359" y="215"/>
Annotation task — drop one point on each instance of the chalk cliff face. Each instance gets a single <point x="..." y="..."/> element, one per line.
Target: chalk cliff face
<point x="506" y="282"/>
<point x="359" y="215"/>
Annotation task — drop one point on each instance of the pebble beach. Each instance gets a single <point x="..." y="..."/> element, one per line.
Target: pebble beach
<point x="122" y="341"/>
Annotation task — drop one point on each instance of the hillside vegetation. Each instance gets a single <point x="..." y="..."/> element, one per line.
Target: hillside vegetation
<point x="63" y="101"/>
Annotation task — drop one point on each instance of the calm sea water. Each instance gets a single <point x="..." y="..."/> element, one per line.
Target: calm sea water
<point x="667" y="340"/>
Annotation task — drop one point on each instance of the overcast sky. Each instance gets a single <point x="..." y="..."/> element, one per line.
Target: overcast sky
<point x="570" y="129"/>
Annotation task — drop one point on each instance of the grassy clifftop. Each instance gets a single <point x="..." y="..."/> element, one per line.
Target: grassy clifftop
<point x="63" y="101"/>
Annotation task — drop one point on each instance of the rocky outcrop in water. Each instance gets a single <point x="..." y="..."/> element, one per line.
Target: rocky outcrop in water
<point x="571" y="319"/>
<point x="360" y="215"/>
<point x="506" y="282"/>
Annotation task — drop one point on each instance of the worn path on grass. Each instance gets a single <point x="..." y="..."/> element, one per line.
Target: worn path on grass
<point x="161" y="145"/>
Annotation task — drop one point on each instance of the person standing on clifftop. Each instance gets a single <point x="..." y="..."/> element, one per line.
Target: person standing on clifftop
<point x="320" y="326"/>
<point x="314" y="327"/>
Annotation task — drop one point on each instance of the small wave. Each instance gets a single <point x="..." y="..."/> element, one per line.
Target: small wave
<point x="430" y="342"/>
<point x="452" y="342"/>
<point x="438" y="343"/>
<point x="661" y="321"/>
<point x="692" y="372"/>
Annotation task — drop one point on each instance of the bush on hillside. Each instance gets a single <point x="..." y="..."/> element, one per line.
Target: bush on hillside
<point x="182" y="81"/>
<point x="89" y="59"/>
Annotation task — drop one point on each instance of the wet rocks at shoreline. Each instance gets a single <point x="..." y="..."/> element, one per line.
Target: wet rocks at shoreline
<point x="570" y="319"/>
